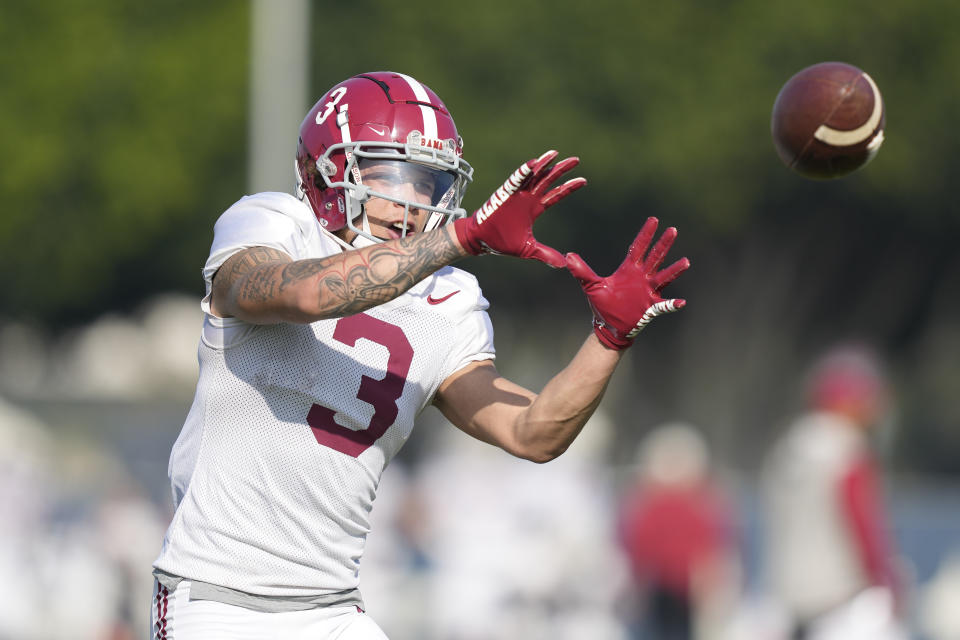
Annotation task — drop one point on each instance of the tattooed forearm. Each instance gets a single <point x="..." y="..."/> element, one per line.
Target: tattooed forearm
<point x="264" y="285"/>
<point x="384" y="272"/>
<point x="362" y="279"/>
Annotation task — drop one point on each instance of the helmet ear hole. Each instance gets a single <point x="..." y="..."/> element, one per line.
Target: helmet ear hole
<point x="326" y="167"/>
<point x="313" y="175"/>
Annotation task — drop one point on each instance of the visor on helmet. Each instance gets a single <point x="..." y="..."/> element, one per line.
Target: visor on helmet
<point x="410" y="174"/>
<point x="406" y="182"/>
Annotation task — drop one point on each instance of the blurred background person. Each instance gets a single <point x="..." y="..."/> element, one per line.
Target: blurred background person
<point x="678" y="530"/>
<point x="830" y="560"/>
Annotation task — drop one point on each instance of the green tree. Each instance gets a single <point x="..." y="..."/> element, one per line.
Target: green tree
<point x="123" y="135"/>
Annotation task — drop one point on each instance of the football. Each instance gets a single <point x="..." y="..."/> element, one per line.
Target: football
<point x="828" y="120"/>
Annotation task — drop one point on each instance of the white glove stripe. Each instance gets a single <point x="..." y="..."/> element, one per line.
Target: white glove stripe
<point x="666" y="306"/>
<point x="501" y="194"/>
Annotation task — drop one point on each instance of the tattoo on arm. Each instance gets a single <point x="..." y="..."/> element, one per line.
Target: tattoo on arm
<point x="230" y="285"/>
<point x="347" y="283"/>
<point x="242" y="269"/>
<point x="373" y="275"/>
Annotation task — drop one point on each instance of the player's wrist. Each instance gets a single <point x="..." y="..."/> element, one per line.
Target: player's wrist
<point x="609" y="337"/>
<point x="457" y="239"/>
<point x="464" y="229"/>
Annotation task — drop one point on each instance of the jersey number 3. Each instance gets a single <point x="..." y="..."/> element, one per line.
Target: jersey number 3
<point x="382" y="394"/>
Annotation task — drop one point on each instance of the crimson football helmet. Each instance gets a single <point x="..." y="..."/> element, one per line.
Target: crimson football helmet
<point x="389" y="119"/>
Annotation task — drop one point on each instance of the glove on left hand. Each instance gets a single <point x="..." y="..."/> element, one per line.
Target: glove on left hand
<point x="627" y="300"/>
<point x="504" y="224"/>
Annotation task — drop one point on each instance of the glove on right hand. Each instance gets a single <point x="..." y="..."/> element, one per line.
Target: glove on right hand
<point x="627" y="300"/>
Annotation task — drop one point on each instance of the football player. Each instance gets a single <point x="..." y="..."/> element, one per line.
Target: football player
<point x="332" y="319"/>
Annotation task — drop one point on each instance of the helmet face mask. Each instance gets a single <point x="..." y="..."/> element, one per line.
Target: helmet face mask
<point x="392" y="126"/>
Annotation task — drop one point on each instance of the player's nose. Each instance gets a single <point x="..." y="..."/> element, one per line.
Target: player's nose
<point x="408" y="192"/>
<point x="406" y="215"/>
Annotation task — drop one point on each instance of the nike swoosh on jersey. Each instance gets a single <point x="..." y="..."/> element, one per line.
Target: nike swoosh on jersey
<point x="432" y="300"/>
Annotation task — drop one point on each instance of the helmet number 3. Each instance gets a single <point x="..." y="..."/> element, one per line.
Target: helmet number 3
<point x="335" y="98"/>
<point x="381" y="394"/>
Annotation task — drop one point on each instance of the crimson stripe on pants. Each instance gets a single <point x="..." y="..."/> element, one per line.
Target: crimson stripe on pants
<point x="161" y="624"/>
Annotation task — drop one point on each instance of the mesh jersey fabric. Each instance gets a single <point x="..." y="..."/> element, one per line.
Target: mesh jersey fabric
<point x="275" y="471"/>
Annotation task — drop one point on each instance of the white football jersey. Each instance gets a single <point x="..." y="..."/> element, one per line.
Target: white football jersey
<point x="812" y="557"/>
<point x="276" y="469"/>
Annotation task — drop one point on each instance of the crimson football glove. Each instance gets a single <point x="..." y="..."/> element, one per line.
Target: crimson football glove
<point x="626" y="301"/>
<point x="504" y="224"/>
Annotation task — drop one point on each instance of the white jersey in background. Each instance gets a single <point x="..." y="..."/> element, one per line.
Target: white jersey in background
<point x="812" y="560"/>
<point x="276" y="469"/>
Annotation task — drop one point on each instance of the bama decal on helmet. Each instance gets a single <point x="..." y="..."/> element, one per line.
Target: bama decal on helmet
<point x="436" y="144"/>
<point x="417" y="139"/>
<point x="500" y="195"/>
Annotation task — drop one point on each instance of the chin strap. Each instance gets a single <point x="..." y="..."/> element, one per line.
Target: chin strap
<point x="342" y="121"/>
<point x="362" y="240"/>
<point x="434" y="221"/>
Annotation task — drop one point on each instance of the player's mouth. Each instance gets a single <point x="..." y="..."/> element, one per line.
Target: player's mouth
<point x="397" y="230"/>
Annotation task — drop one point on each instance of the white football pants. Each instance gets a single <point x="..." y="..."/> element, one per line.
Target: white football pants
<point x="175" y="617"/>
